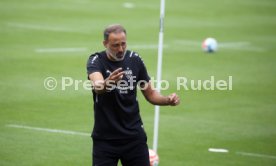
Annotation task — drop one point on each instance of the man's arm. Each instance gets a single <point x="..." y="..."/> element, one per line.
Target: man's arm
<point x="156" y="98"/>
<point x="100" y="85"/>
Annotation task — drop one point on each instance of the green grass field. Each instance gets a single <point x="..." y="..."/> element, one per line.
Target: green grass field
<point x="53" y="38"/>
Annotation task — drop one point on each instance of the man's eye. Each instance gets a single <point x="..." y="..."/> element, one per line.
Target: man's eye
<point x="118" y="45"/>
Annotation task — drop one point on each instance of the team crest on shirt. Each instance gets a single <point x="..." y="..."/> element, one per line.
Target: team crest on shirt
<point x="128" y="73"/>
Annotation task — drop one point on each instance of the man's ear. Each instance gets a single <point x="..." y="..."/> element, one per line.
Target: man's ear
<point x="105" y="42"/>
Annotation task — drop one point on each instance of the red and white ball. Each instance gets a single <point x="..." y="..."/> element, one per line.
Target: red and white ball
<point x="154" y="158"/>
<point x="210" y="45"/>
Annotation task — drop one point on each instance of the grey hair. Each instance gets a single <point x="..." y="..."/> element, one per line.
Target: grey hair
<point x="114" y="28"/>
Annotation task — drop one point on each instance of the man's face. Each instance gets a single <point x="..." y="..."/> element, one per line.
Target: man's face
<point x="116" y="45"/>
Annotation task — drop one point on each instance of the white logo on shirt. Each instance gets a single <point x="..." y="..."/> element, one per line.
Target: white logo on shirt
<point x="128" y="73"/>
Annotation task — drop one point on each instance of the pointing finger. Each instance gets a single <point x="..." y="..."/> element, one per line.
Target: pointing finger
<point x="117" y="71"/>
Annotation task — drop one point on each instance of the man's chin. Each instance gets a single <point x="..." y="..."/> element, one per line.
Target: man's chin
<point x="120" y="56"/>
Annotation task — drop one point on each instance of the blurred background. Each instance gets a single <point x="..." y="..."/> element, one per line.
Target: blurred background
<point x="54" y="38"/>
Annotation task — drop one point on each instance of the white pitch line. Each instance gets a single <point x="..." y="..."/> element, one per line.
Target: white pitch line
<point x="218" y="150"/>
<point x="128" y="5"/>
<point x="68" y="132"/>
<point x="148" y="46"/>
<point x="53" y="50"/>
<point x="256" y="155"/>
<point x="187" y="42"/>
<point x="237" y="45"/>
<point x="247" y="46"/>
<point x="40" y="27"/>
<point x="234" y="44"/>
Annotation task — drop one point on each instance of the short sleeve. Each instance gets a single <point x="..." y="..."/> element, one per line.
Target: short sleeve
<point x="93" y="64"/>
<point x="143" y="73"/>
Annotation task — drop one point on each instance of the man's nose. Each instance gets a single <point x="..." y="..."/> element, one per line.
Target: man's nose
<point x="121" y="48"/>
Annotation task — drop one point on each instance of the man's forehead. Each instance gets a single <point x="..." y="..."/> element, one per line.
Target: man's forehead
<point x="117" y="36"/>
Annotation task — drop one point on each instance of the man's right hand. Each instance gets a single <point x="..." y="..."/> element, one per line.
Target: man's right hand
<point x="100" y="85"/>
<point x="116" y="75"/>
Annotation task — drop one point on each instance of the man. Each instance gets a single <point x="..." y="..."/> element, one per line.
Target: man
<point x="115" y="73"/>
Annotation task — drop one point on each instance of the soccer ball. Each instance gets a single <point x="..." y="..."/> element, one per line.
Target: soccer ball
<point x="154" y="158"/>
<point x="210" y="45"/>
